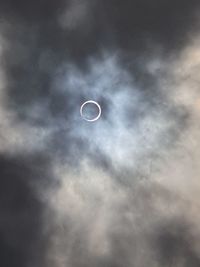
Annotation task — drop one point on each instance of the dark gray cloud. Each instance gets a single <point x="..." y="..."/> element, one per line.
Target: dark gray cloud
<point x="118" y="192"/>
<point x="175" y="245"/>
<point x="21" y="224"/>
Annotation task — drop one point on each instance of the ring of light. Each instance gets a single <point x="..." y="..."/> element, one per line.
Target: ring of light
<point x="90" y="102"/>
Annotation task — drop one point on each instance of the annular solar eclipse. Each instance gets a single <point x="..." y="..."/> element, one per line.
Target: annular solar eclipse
<point x="90" y="118"/>
<point x="100" y="133"/>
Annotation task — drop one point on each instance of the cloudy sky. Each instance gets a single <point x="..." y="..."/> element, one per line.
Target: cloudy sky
<point x="123" y="191"/>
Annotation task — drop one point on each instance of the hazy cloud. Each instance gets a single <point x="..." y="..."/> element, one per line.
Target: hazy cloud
<point x="123" y="191"/>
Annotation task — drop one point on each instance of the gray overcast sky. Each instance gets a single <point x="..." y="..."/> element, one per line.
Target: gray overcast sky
<point x="119" y="192"/>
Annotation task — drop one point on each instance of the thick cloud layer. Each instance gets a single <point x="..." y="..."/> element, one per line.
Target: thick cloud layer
<point x="123" y="191"/>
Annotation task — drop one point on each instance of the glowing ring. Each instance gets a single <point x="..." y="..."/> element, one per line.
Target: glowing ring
<point x="90" y="102"/>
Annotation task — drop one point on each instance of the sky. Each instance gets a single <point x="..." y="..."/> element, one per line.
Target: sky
<point x="123" y="191"/>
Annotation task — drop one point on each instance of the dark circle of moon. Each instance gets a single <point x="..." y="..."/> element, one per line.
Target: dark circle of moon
<point x="90" y="102"/>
